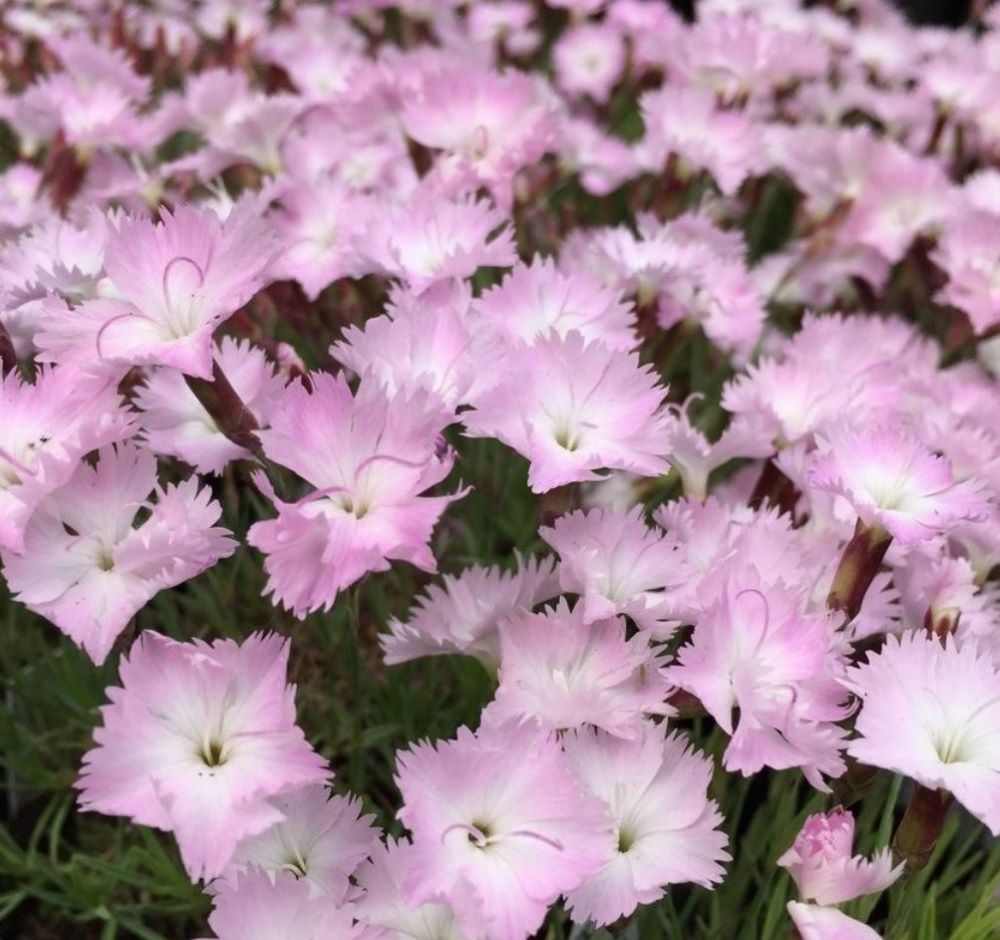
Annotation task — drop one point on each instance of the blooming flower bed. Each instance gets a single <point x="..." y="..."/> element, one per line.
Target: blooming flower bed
<point x="480" y="471"/>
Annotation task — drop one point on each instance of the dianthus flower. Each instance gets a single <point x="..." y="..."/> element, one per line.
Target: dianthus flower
<point x="824" y="870"/>
<point x="573" y="408"/>
<point x="963" y="253"/>
<point x="196" y="740"/>
<point x="255" y="905"/>
<point x="618" y="565"/>
<point x="501" y="827"/>
<point x="45" y="430"/>
<point x="561" y="672"/>
<point x="175" y="281"/>
<point x="370" y="457"/>
<point x="950" y="695"/>
<point x="754" y="650"/>
<point x="85" y="567"/>
<point x="463" y="613"/>
<point x="666" y="827"/>
<point x="892" y="480"/>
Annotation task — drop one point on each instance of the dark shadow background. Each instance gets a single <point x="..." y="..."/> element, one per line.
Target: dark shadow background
<point x="936" y="12"/>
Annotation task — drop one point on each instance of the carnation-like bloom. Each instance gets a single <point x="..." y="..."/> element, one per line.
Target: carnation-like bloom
<point x="45" y="429"/>
<point x="429" y="238"/>
<point x="318" y="223"/>
<point x="423" y="342"/>
<point x="174" y="282"/>
<point x="950" y="695"/>
<point x="814" y="922"/>
<point x="573" y="408"/>
<point x="536" y="299"/>
<point x="321" y="840"/>
<point x="892" y="480"/>
<point x="85" y="567"/>
<point x="501" y="827"/>
<point x="754" y="650"/>
<point x="176" y="423"/>
<point x="618" y="565"/>
<point x="384" y="908"/>
<point x="462" y="614"/>
<point x="973" y="270"/>
<point x="488" y="124"/>
<point x="656" y="789"/>
<point x="562" y="672"/>
<point x="258" y="906"/>
<point x="196" y="740"/>
<point x="824" y="870"/>
<point x="369" y="457"/>
<point x="687" y="121"/>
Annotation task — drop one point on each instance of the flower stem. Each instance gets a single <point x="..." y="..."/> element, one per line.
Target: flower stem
<point x="857" y="569"/>
<point x="231" y="415"/>
<point x="8" y="358"/>
<point x="920" y="827"/>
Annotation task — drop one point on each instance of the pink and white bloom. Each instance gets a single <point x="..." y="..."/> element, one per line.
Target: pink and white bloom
<point x="175" y="422"/>
<point x="891" y="479"/>
<point x="257" y="906"/>
<point x="369" y="458"/>
<point x="950" y="695"/>
<point x="501" y="827"/>
<point x="384" y="908"/>
<point x="618" y="565"/>
<point x="45" y="430"/>
<point x="574" y="408"/>
<point x="429" y="238"/>
<point x="754" y="649"/>
<point x="824" y="870"/>
<point x="560" y="672"/>
<point x="666" y="827"/>
<point x="814" y="922"/>
<point x="196" y="740"/>
<point x="462" y="614"/>
<point x="86" y="567"/>
<point x="488" y="124"/>
<point x="175" y="281"/>
<point x="321" y="840"/>
<point x="537" y="299"/>
<point x="589" y="59"/>
<point x="966" y="253"/>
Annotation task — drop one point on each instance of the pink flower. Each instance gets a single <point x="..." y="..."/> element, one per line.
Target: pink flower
<point x="175" y="281"/>
<point x="824" y="870"/>
<point x="424" y="341"/>
<point x="257" y="906"/>
<point x="687" y="122"/>
<point x="501" y="827"/>
<point x="488" y="124"/>
<point x="589" y="59"/>
<point x="950" y="697"/>
<point x="754" y="650"/>
<point x="321" y="840"/>
<point x="893" y="480"/>
<point x="175" y="423"/>
<point x="196" y="740"/>
<point x="85" y="568"/>
<point x="429" y="239"/>
<point x="562" y="672"/>
<point x="573" y="408"/>
<point x="45" y="431"/>
<point x="618" y="565"/>
<point x="666" y="828"/>
<point x="384" y="908"/>
<point x="536" y="300"/>
<point x="369" y="457"/>
<point x="463" y="613"/>
<point x="827" y="923"/>
<point x="963" y="252"/>
<point x="318" y="224"/>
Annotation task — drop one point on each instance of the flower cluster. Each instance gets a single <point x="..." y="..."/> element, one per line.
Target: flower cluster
<point x="721" y="298"/>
